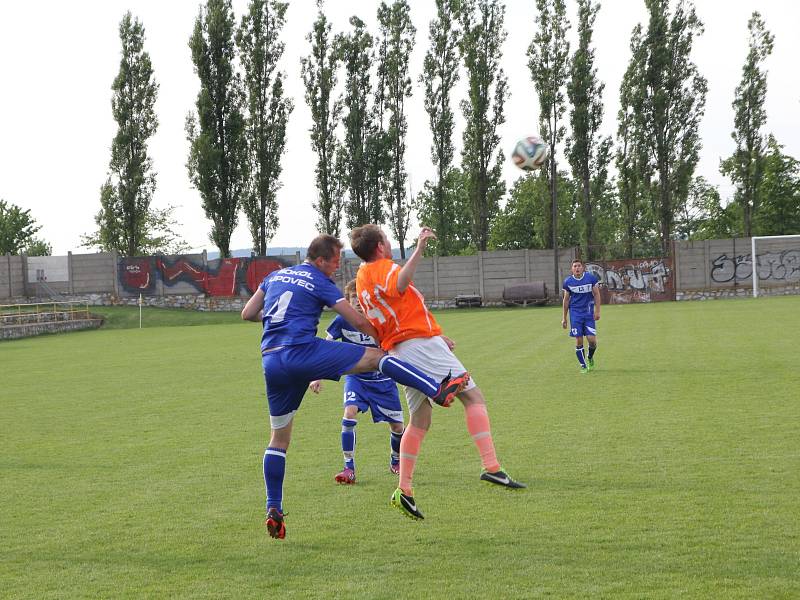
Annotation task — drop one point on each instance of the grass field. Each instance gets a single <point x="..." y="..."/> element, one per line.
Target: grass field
<point x="131" y="465"/>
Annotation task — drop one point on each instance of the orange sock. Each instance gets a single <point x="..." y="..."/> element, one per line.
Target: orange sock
<point x="409" y="450"/>
<point x="481" y="432"/>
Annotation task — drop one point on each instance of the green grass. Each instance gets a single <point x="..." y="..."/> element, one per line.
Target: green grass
<point x="131" y="465"/>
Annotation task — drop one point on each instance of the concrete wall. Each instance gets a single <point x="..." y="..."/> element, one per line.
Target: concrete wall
<point x="484" y="274"/>
<point x="12" y="279"/>
<point x="93" y="273"/>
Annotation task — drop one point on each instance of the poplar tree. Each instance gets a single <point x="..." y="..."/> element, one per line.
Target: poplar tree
<point x="481" y="49"/>
<point x="439" y="77"/>
<point x="319" y="77"/>
<point x="668" y="106"/>
<point x="548" y="62"/>
<point x="125" y="220"/>
<point x="356" y="52"/>
<point x="587" y="151"/>
<point x="260" y="48"/>
<point x="398" y="34"/>
<point x="746" y="166"/>
<point x="377" y="155"/>
<point x="634" y="171"/>
<point x="217" y="163"/>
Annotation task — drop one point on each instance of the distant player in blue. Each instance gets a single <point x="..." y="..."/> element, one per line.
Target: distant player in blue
<point x="289" y="303"/>
<point x="582" y="299"/>
<point x="362" y="392"/>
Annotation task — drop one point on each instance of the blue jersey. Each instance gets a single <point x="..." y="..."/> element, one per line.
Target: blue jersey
<point x="581" y="300"/>
<point x="293" y="301"/>
<point x="340" y="329"/>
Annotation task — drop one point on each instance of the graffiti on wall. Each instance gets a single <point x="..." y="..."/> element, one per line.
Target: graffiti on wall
<point x="776" y="266"/>
<point x="637" y="280"/>
<point x="221" y="277"/>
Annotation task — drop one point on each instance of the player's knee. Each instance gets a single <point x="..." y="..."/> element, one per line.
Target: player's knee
<point x="371" y="358"/>
<point x="280" y="438"/>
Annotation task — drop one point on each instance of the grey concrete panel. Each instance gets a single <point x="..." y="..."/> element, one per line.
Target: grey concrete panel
<point x="93" y="273"/>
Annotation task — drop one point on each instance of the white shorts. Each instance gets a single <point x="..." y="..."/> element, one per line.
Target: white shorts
<point x="432" y="357"/>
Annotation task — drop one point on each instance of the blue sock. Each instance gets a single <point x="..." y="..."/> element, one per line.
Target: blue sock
<point x="579" y="354"/>
<point x="274" y="469"/>
<point x="349" y="443"/>
<point x="591" y="351"/>
<point x="394" y="441"/>
<point x="406" y="374"/>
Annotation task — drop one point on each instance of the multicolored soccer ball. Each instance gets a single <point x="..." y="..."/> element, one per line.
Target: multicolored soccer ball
<point x="530" y="153"/>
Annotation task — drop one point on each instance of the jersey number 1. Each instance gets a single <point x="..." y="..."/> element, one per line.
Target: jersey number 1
<point x="373" y="311"/>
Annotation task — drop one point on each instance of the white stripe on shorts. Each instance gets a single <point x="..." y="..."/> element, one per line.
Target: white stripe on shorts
<point x="281" y="421"/>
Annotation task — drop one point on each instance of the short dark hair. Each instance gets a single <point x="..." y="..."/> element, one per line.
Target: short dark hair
<point x="365" y="239"/>
<point x="324" y="246"/>
<point x="350" y="289"/>
<point x="577" y="260"/>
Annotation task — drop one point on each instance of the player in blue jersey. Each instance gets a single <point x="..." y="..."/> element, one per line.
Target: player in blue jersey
<point x="289" y="303"/>
<point x="364" y="391"/>
<point x="582" y="299"/>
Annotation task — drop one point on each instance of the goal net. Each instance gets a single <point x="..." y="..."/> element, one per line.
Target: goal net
<point x="775" y="258"/>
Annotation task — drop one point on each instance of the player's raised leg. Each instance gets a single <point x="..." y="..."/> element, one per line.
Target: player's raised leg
<point x="404" y="373"/>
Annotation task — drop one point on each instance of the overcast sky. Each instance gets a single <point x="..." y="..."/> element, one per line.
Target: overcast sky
<point x="58" y="60"/>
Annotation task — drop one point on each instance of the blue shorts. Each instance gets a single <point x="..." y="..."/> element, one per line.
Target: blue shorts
<point x="581" y="325"/>
<point x="379" y="396"/>
<point x="287" y="373"/>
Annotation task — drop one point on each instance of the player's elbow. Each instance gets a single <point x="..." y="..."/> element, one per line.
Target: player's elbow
<point x="250" y="314"/>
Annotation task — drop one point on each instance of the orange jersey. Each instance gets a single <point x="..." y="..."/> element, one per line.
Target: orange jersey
<point x="397" y="317"/>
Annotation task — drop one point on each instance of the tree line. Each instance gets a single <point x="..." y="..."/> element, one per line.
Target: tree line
<point x="625" y="196"/>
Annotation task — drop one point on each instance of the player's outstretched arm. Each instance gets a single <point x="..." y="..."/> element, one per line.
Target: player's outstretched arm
<point x="407" y="271"/>
<point x="355" y="318"/>
<point x="252" y="310"/>
<point x="564" y="309"/>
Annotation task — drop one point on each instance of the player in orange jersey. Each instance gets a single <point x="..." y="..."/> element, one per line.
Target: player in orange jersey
<point x="409" y="331"/>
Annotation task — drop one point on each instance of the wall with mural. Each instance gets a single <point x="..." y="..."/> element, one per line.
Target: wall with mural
<point x="780" y="266"/>
<point x="636" y="280"/>
<point x="190" y="274"/>
<point x="697" y="269"/>
<point x="712" y="264"/>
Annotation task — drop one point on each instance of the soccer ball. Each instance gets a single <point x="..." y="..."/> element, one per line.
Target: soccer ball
<point x="530" y="153"/>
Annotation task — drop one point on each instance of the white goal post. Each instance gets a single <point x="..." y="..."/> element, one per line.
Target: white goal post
<point x="754" y="257"/>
